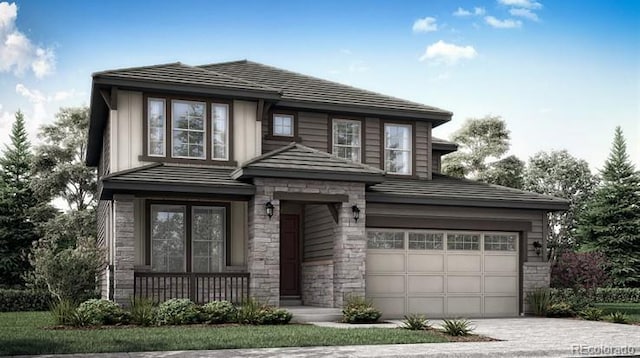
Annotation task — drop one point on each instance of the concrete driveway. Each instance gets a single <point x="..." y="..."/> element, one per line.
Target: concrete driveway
<point x="521" y="337"/>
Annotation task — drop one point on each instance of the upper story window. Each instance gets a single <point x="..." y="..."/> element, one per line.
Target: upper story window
<point x="283" y="125"/>
<point x="188" y="129"/>
<point x="220" y="131"/>
<point x="397" y="148"/>
<point x="156" y="127"/>
<point x="346" y="139"/>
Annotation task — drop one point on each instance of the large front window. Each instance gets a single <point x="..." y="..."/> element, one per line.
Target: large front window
<point x="346" y="140"/>
<point x="187" y="238"/>
<point x="397" y="148"/>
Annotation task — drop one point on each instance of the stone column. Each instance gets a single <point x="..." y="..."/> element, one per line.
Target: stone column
<point x="124" y="248"/>
<point x="263" y="245"/>
<point x="349" y="248"/>
<point x="534" y="275"/>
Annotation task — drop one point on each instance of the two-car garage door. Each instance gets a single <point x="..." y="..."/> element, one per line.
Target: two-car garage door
<point x="443" y="273"/>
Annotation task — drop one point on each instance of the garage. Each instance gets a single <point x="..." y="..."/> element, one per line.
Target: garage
<point x="443" y="273"/>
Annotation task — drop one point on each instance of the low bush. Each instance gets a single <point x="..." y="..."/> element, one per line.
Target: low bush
<point x="618" y="317"/>
<point x="591" y="314"/>
<point x="13" y="300"/>
<point x="142" y="311"/>
<point x="272" y="315"/>
<point x="218" y="312"/>
<point x="177" y="311"/>
<point x="249" y="312"/>
<point x="98" y="312"/>
<point x="600" y="295"/>
<point x="415" y="322"/>
<point x="457" y="327"/>
<point x="539" y="300"/>
<point x="560" y="309"/>
<point x="358" y="310"/>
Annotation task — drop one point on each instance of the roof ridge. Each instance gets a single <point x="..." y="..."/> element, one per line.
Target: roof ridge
<point x="431" y="108"/>
<point x="199" y="68"/>
<point x="135" y="68"/>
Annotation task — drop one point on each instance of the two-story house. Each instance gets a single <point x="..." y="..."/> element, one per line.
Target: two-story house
<point x="238" y="179"/>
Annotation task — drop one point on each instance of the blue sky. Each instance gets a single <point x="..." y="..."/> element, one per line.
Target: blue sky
<point x="562" y="74"/>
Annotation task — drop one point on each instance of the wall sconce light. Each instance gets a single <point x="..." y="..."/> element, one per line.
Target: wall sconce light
<point x="356" y="212"/>
<point x="269" y="207"/>
<point x="538" y="246"/>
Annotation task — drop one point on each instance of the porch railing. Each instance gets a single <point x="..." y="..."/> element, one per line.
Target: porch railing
<point x="198" y="287"/>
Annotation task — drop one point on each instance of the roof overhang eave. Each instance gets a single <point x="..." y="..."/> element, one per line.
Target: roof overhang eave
<point x="250" y="173"/>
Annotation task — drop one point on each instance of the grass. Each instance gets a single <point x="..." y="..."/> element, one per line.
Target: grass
<point x="30" y="333"/>
<point x="631" y="309"/>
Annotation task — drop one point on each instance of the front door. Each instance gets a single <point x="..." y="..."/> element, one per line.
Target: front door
<point x="289" y="255"/>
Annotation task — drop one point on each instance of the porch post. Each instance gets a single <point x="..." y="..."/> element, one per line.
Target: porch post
<point x="263" y="245"/>
<point x="349" y="248"/>
<point x="124" y="249"/>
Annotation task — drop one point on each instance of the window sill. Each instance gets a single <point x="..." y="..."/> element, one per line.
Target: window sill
<point x="283" y="138"/>
<point x="222" y="163"/>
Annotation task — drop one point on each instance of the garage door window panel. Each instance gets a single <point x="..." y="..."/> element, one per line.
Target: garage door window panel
<point x="464" y="242"/>
<point x="499" y="242"/>
<point x="385" y="240"/>
<point x="426" y="241"/>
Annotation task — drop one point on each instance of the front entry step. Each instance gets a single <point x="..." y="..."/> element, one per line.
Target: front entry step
<point x="288" y="301"/>
<point x="302" y="314"/>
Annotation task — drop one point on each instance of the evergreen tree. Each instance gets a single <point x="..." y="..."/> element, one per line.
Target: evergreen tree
<point x="611" y="222"/>
<point x="17" y="203"/>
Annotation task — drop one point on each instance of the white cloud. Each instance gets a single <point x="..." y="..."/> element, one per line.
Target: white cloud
<point x="477" y="11"/>
<point x="39" y="99"/>
<point x="358" y="66"/>
<point x="502" y="24"/>
<point x="427" y="24"/>
<point x="442" y="52"/>
<point x="17" y="52"/>
<point x="526" y="13"/>
<point x="526" y="4"/>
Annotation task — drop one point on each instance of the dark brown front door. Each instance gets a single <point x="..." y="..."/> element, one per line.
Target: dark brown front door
<point x="289" y="255"/>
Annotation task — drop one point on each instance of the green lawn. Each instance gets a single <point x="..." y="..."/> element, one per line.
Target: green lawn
<point x="27" y="333"/>
<point x="631" y="309"/>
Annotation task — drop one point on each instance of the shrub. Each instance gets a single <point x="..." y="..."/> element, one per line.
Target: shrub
<point x="457" y="327"/>
<point x="142" y="311"/>
<point x="579" y="270"/>
<point x="63" y="312"/>
<point x="272" y="315"/>
<point x="560" y="309"/>
<point x="540" y="299"/>
<point x="72" y="273"/>
<point x="24" y="300"/>
<point x="415" y="322"/>
<point x="618" y="317"/>
<point x="218" y="312"/>
<point x="249" y="312"/>
<point x="358" y="310"/>
<point x="619" y="295"/>
<point x="177" y="311"/>
<point x="591" y="314"/>
<point x="99" y="312"/>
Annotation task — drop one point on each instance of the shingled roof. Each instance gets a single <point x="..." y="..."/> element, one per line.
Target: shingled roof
<point x="297" y="161"/>
<point x="160" y="177"/>
<point x="445" y="190"/>
<point x="443" y="145"/>
<point x="296" y="87"/>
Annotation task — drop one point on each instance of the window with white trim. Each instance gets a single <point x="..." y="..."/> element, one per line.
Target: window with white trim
<point x="500" y="242"/>
<point x="463" y="242"/>
<point x="156" y="120"/>
<point x="426" y="241"/>
<point x="283" y="125"/>
<point x="188" y="123"/>
<point x="397" y="148"/>
<point x="346" y="139"/>
<point x="385" y="239"/>
<point x="219" y="131"/>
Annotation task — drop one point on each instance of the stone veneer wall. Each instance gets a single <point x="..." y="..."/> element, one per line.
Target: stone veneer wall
<point x="317" y="283"/>
<point x="263" y="244"/>
<point x="535" y="275"/>
<point x="123" y="271"/>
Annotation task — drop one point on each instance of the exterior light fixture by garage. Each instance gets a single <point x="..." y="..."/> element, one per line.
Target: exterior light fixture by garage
<point x="269" y="207"/>
<point x="356" y="212"/>
<point x="537" y="246"/>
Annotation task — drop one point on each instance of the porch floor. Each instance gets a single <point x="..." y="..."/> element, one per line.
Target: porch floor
<point x="314" y="314"/>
